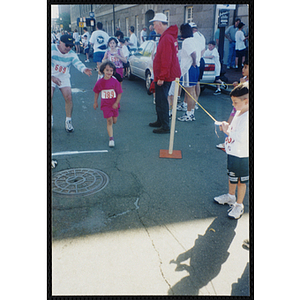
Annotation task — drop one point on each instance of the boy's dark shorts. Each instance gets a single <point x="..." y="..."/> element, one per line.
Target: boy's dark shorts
<point x="238" y="169"/>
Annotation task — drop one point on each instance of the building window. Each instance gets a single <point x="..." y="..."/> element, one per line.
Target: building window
<point x="112" y="28"/>
<point x="188" y="14"/>
<point x="167" y="13"/>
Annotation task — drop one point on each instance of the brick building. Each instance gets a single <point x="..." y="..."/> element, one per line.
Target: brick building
<point x="126" y="15"/>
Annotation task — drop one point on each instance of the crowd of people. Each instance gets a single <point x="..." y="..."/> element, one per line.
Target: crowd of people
<point x="111" y="55"/>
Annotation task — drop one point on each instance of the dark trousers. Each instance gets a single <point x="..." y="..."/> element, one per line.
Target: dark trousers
<point x="162" y="104"/>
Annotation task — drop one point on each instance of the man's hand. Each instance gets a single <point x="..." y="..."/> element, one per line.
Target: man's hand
<point x="56" y="80"/>
<point x="160" y="82"/>
<point x="87" y="71"/>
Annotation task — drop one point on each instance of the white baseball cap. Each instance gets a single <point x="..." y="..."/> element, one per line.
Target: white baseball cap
<point x="159" y="17"/>
<point x="193" y="25"/>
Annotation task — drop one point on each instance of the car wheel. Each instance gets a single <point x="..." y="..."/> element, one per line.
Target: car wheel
<point x="148" y="82"/>
<point x="130" y="76"/>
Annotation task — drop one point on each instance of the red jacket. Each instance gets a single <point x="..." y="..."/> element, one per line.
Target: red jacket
<point x="165" y="64"/>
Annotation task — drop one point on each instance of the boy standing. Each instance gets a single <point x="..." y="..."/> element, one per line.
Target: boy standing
<point x="237" y="149"/>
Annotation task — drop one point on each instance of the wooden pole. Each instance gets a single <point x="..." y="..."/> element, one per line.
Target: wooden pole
<point x="173" y="116"/>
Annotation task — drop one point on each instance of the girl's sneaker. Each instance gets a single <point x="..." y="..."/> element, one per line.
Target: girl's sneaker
<point x="225" y="199"/>
<point x="69" y="127"/>
<point x="235" y="211"/>
<point x="111" y="143"/>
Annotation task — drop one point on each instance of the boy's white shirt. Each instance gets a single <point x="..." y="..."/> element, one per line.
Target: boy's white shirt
<point x="216" y="58"/>
<point x="237" y="142"/>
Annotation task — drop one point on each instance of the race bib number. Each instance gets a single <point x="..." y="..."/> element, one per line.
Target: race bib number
<point x="114" y="59"/>
<point x="108" y="94"/>
<point x="60" y="69"/>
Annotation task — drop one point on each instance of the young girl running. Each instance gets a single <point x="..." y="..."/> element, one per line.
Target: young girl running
<point x="115" y="55"/>
<point x="111" y="92"/>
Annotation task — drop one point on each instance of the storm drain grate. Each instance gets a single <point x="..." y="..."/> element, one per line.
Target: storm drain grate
<point x="79" y="181"/>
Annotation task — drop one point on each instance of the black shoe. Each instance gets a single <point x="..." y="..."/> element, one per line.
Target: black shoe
<point x="161" y="130"/>
<point x="155" y="124"/>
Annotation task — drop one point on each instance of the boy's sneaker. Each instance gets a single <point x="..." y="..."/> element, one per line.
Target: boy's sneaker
<point x="235" y="211"/>
<point x="225" y="199"/>
<point x="217" y="92"/>
<point x="69" y="127"/>
<point x="185" y="118"/>
<point x="224" y="86"/>
<point x="87" y="60"/>
<point x="111" y="143"/>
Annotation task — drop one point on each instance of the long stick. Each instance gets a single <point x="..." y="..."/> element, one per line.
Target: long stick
<point x="173" y="116"/>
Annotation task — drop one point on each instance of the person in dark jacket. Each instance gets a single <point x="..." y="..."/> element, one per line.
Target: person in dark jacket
<point x="166" y="69"/>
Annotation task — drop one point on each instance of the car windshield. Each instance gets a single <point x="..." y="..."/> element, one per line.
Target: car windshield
<point x="142" y="47"/>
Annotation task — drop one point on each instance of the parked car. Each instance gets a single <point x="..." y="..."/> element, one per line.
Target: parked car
<point x="141" y="64"/>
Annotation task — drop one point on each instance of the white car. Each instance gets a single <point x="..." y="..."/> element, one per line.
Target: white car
<point x="141" y="64"/>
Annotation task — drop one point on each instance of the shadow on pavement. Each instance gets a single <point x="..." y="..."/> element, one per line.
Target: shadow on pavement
<point x="206" y="257"/>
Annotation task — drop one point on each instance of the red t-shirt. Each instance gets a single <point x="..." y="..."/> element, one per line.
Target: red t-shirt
<point x="109" y="90"/>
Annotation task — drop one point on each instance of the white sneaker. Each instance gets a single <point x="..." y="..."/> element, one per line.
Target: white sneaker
<point x="186" y="118"/>
<point x="87" y="60"/>
<point x="236" y="211"/>
<point x="69" y="127"/>
<point x="111" y="143"/>
<point x="225" y="199"/>
<point x="182" y="106"/>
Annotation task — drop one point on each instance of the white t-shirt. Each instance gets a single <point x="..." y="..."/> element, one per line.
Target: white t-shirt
<point x="239" y="40"/>
<point x="237" y="143"/>
<point x="76" y="37"/>
<point x="99" y="38"/>
<point x="216" y="59"/>
<point x="133" y="40"/>
<point x="125" y="51"/>
<point x="200" y="40"/>
<point x="87" y="34"/>
<point x="188" y="47"/>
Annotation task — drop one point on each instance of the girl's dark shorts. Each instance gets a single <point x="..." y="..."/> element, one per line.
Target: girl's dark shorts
<point x="238" y="169"/>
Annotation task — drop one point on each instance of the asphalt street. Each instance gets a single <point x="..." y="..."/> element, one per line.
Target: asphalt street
<point x="153" y="229"/>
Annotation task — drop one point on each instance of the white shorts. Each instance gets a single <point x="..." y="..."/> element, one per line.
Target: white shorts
<point x="172" y="89"/>
<point x="65" y="81"/>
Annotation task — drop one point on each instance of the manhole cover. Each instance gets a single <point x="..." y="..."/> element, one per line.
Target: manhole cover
<point x="79" y="181"/>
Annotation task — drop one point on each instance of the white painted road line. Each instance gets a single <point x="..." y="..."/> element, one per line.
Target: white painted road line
<point x="78" y="152"/>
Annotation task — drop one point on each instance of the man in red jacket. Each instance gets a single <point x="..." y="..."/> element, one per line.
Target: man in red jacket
<point x="166" y="68"/>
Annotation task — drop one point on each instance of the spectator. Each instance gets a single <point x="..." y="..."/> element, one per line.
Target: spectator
<point x="152" y="34"/>
<point x="213" y="54"/>
<point x="125" y="54"/>
<point x="143" y="35"/>
<point x="240" y="47"/>
<point x="99" y="41"/>
<point x="237" y="149"/>
<point x="86" y="33"/>
<point x="166" y="69"/>
<point x="189" y="65"/>
<point x="200" y="41"/>
<point x="133" y="39"/>
<point x="77" y="39"/>
<point x="230" y="35"/>
<point x="86" y="47"/>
